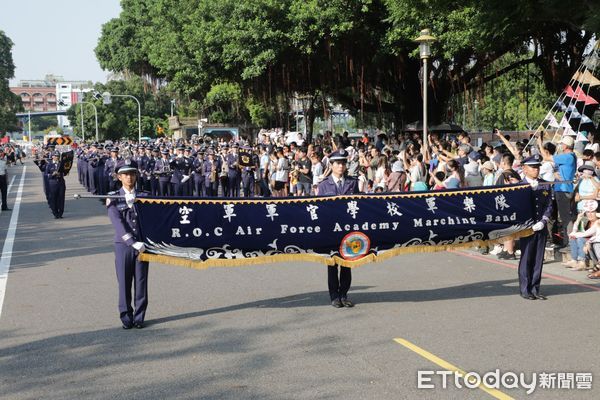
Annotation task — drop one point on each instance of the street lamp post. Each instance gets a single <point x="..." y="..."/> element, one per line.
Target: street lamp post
<point x="29" y="124"/>
<point x="82" y="128"/>
<point x="106" y="99"/>
<point x="425" y="40"/>
<point x="476" y="114"/>
<point x="172" y="106"/>
<point x="95" y="116"/>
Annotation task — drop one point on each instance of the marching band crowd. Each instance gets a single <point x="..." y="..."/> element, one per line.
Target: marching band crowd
<point x="269" y="166"/>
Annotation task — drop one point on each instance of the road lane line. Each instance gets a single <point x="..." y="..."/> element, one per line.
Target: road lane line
<point x="544" y="275"/>
<point x="11" y="183"/>
<point x="10" y="240"/>
<point x="449" y="367"/>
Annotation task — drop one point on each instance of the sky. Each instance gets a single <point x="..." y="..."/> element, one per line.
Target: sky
<point x="56" y="37"/>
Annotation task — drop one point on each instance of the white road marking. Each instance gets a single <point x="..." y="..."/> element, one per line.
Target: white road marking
<point x="10" y="240"/>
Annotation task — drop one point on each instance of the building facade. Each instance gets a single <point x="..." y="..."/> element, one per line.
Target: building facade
<point x="53" y="93"/>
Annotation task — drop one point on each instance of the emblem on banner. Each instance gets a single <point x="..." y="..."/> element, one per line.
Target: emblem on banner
<point x="66" y="162"/>
<point x="355" y="245"/>
<point x="245" y="157"/>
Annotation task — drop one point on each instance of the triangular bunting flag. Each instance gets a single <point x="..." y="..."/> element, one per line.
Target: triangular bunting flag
<point x="569" y="132"/>
<point x="586" y="127"/>
<point x="586" y="78"/>
<point x="571" y="108"/>
<point x="573" y="114"/>
<point x="569" y="91"/>
<point x="579" y="95"/>
<point x="591" y="62"/>
<point x="576" y="111"/>
<point x="552" y="120"/>
<point x="564" y="123"/>
<point x="581" y="137"/>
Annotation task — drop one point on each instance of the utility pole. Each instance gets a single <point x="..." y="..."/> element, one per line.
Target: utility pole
<point x="29" y="124"/>
<point x="82" y="128"/>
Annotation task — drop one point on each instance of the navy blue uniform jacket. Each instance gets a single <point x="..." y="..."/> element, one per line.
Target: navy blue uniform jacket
<point x="328" y="187"/>
<point x="124" y="219"/>
<point x="543" y="196"/>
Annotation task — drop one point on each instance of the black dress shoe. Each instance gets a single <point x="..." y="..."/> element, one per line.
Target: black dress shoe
<point x="138" y="325"/>
<point x="127" y="326"/>
<point x="504" y="255"/>
<point x="540" y="297"/>
<point x="6" y="209"/>
<point x="346" y="302"/>
<point x="528" y="297"/>
<point x="337" y="303"/>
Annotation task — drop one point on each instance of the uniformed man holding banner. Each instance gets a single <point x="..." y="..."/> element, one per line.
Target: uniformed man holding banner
<point x="533" y="247"/>
<point x="128" y="245"/>
<point x="338" y="183"/>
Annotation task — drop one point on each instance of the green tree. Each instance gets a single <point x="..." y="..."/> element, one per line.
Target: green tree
<point x="517" y="100"/>
<point x="10" y="103"/>
<point x="39" y="124"/>
<point x="360" y="54"/>
<point x="224" y="99"/>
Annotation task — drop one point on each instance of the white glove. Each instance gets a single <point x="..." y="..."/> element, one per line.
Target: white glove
<point x="139" y="246"/>
<point x="185" y="178"/>
<point x="129" y="199"/>
<point x="538" y="226"/>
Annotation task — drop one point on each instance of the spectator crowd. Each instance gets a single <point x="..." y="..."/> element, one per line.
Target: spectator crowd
<point x="273" y="166"/>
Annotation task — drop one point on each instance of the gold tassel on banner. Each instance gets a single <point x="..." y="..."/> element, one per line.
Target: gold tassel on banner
<point x="195" y="264"/>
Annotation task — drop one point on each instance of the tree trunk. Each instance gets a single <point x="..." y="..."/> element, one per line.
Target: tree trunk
<point x="309" y="117"/>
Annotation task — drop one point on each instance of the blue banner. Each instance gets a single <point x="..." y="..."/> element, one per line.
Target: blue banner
<point x="346" y="230"/>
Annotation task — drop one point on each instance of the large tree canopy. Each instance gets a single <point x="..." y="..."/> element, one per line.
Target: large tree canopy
<point x="9" y="102"/>
<point x="358" y="53"/>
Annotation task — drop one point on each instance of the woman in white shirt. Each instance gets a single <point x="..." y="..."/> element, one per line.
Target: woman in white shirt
<point x="547" y="168"/>
<point x="382" y="172"/>
<point x="282" y="174"/>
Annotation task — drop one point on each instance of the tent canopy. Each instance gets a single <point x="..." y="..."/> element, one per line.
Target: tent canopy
<point x="446" y="127"/>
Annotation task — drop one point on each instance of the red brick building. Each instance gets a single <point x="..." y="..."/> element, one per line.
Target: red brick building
<point x="36" y="98"/>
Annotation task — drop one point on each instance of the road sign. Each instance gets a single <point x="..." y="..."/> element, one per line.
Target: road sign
<point x="61" y="141"/>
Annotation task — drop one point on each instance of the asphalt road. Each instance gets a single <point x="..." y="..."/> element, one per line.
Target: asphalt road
<point x="268" y="331"/>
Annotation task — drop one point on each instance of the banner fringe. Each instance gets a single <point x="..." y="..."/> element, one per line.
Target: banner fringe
<point x="335" y="260"/>
<point x="285" y="200"/>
